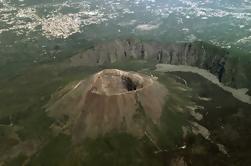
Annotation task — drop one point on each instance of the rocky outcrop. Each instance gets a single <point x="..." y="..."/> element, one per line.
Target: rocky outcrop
<point x="199" y="54"/>
<point x="196" y="54"/>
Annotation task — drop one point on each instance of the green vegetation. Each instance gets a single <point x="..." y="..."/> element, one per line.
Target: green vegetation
<point x="24" y="96"/>
<point x="111" y="149"/>
<point x="55" y="152"/>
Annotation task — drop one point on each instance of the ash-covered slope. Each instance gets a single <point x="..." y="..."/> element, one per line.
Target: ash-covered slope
<point x="111" y="100"/>
<point x="228" y="68"/>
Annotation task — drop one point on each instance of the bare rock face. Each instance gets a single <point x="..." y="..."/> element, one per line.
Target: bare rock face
<point x="192" y="54"/>
<point x="229" y="70"/>
<point x="111" y="100"/>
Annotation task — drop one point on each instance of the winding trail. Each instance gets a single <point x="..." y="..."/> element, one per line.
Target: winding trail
<point x="240" y="94"/>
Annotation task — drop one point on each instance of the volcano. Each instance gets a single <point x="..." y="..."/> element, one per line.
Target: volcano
<point x="109" y="101"/>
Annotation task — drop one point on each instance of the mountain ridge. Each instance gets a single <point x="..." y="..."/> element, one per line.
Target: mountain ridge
<point x="228" y="68"/>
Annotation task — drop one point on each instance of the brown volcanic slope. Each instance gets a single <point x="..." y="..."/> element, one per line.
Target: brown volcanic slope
<point x="111" y="100"/>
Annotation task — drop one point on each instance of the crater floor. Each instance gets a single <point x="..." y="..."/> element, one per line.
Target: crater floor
<point x="115" y="82"/>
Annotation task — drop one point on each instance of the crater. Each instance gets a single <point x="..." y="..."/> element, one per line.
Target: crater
<point x="109" y="101"/>
<point x="114" y="82"/>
